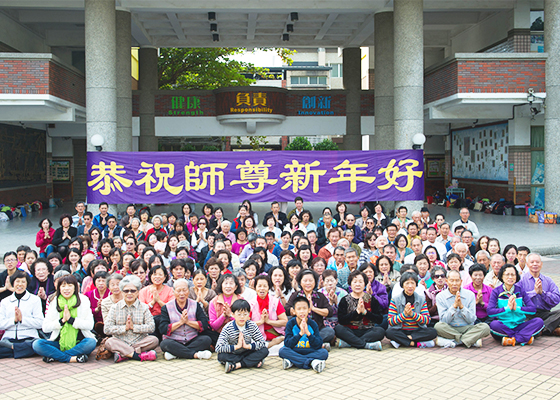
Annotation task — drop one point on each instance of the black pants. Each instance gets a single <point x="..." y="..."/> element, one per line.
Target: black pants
<point x="417" y="335"/>
<point x="551" y="319"/>
<point x="247" y="358"/>
<point x="188" y="349"/>
<point x="359" y="337"/>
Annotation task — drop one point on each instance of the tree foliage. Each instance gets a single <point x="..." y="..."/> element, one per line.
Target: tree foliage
<point x="326" y="144"/>
<point x="207" y="68"/>
<point x="299" y="143"/>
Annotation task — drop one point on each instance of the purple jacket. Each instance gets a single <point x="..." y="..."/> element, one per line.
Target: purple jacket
<point x="380" y="293"/>
<point x="550" y="295"/>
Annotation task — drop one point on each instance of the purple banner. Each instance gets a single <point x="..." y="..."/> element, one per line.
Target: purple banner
<point x="226" y="177"/>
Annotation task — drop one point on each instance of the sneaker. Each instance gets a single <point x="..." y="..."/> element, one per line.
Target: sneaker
<point x="531" y="340"/>
<point x="374" y="346"/>
<point x="395" y="344"/>
<point x="445" y="343"/>
<point x="508" y="341"/>
<point x="82" y="358"/>
<point x="478" y="343"/>
<point x="169" y="356"/>
<point x="318" y="365"/>
<point x="48" y="360"/>
<point x="342" y="344"/>
<point x="118" y="358"/>
<point x="204" y="355"/>
<point x="148" y="355"/>
<point x="327" y="346"/>
<point x="287" y="364"/>
<point x="425" y="345"/>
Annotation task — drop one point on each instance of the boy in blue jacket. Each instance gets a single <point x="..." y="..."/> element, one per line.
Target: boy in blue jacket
<point x="302" y="343"/>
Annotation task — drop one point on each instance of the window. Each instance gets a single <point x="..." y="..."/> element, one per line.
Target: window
<point x="336" y="71"/>
<point x="308" y="80"/>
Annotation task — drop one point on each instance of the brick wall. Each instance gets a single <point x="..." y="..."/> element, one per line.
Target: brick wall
<point x="484" y="76"/>
<point x="367" y="103"/>
<point x="23" y="195"/>
<point x="67" y="84"/>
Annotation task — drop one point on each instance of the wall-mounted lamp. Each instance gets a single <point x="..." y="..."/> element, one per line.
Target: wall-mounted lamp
<point x="286" y="37"/>
<point x="211" y="16"/>
<point x="294" y="16"/>
<point x="418" y="140"/>
<point x="290" y="27"/>
<point x="213" y="27"/>
<point x="216" y="37"/>
<point x="97" y="141"/>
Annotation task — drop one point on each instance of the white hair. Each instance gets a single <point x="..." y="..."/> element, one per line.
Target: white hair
<point x="130" y="280"/>
<point x="181" y="280"/>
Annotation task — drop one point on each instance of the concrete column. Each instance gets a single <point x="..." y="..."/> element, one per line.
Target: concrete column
<point x="101" y="80"/>
<point x="409" y="76"/>
<point x="384" y="138"/>
<point x="148" y="85"/>
<point x="351" y="72"/>
<point x="552" y="114"/>
<point x="124" y="82"/>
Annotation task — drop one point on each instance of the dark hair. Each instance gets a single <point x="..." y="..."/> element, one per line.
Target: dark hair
<point x="116" y="250"/>
<point x="18" y="274"/>
<point x="287" y="284"/>
<point x="503" y="269"/>
<point x="402" y="207"/>
<point x="71" y="280"/>
<point x="263" y="278"/>
<point x="63" y="217"/>
<point x="508" y="248"/>
<point x="214" y="261"/>
<point x="284" y="233"/>
<point x="13" y="253"/>
<point x="199" y="272"/>
<point x="240" y="230"/>
<point x="408" y="275"/>
<point x="477" y="267"/>
<point x="240" y="305"/>
<point x="254" y="263"/>
<point x="523" y="248"/>
<point x="317" y="260"/>
<point x="285" y="253"/>
<point x="73" y="250"/>
<point x="153" y="258"/>
<point x="330" y="272"/>
<point x="183" y="207"/>
<point x="456" y="256"/>
<point x="94" y="263"/>
<point x="308" y="213"/>
<point x="368" y="236"/>
<point x="100" y="274"/>
<point x="178" y="263"/>
<point x="392" y="226"/>
<point x="304" y="272"/>
<point x="250" y="209"/>
<point x="167" y="248"/>
<point x="138" y="263"/>
<point x="37" y="261"/>
<point x="305" y="247"/>
<point x="432" y="247"/>
<point x="293" y="263"/>
<point x="23" y="248"/>
<point x="413" y="224"/>
<point x="300" y="299"/>
<point x="103" y="203"/>
<point x="154" y="269"/>
<point x="208" y="205"/>
<point x="111" y="217"/>
<point x="226" y="252"/>
<point x="409" y="267"/>
<point x="340" y="203"/>
<point x="103" y="241"/>
<point x="383" y="257"/>
<point x="223" y="278"/>
<point x="146" y="249"/>
<point x="399" y="237"/>
<point x="89" y="214"/>
<point x="49" y="257"/>
<point x="357" y="273"/>
<point x="422" y="257"/>
<point x="43" y="220"/>
<point x="77" y="239"/>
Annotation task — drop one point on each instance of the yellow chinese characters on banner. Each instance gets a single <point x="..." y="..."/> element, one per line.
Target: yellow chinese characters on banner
<point x="211" y="178"/>
<point x="351" y="173"/>
<point x="392" y="173"/>
<point x="255" y="176"/>
<point x="163" y="173"/>
<point x="300" y="175"/>
<point x="108" y="178"/>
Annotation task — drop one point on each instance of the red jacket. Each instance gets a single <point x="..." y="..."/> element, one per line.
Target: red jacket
<point x="41" y="242"/>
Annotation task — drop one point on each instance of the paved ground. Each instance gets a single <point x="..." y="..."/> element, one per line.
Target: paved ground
<point x="491" y="372"/>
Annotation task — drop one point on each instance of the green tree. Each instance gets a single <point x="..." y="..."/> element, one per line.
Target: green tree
<point x="299" y="143"/>
<point x="326" y="144"/>
<point x="207" y="68"/>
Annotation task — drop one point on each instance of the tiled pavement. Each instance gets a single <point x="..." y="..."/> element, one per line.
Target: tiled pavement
<point x="492" y="372"/>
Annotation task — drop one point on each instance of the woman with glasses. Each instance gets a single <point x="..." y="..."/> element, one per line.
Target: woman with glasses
<point x="367" y="254"/>
<point x="139" y="268"/>
<point x="510" y="304"/>
<point x="130" y="323"/>
<point x="439" y="276"/>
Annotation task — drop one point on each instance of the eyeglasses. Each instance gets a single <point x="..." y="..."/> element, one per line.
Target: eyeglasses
<point x="10" y="260"/>
<point x="139" y="272"/>
<point x="439" y="276"/>
<point x="130" y="291"/>
<point x="509" y="275"/>
<point x="202" y="223"/>
<point x="242" y="313"/>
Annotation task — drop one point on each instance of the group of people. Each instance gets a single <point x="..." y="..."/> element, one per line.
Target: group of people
<point x="292" y="287"/>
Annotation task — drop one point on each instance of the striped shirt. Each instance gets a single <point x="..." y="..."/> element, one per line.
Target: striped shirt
<point x="408" y="322"/>
<point x="230" y="336"/>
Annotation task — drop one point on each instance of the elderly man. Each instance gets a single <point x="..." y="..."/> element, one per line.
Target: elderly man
<point x="457" y="315"/>
<point x="130" y="322"/>
<point x="280" y="219"/>
<point x="349" y="235"/>
<point x="431" y="234"/>
<point x="463" y="251"/>
<point x="327" y="251"/>
<point x="483" y="257"/>
<point x="351" y="258"/>
<point x="467" y="238"/>
<point x="337" y="261"/>
<point x="416" y="246"/>
<point x="544" y="294"/>
<point x="351" y="225"/>
<point x="444" y="234"/>
<point x="464" y="221"/>
<point x="390" y="251"/>
<point x="496" y="263"/>
<point x="182" y="321"/>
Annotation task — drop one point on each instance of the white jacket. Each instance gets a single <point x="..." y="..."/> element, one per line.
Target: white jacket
<point x="31" y="316"/>
<point x="83" y="321"/>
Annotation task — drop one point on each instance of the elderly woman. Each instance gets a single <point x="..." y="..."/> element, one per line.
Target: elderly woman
<point x="409" y="316"/>
<point x="308" y="280"/>
<point x="130" y="324"/>
<point x="69" y="321"/>
<point x="182" y="321"/>
<point x="269" y="314"/>
<point x="439" y="276"/>
<point x="358" y="313"/>
<point x="199" y="291"/>
<point x="21" y="316"/>
<point x="42" y="281"/>
<point x="157" y="294"/>
<point x="219" y="312"/>
<point x="510" y="304"/>
<point x="95" y="296"/>
<point x="246" y="292"/>
<point x="334" y="294"/>
<point x="62" y="236"/>
<point x="115" y="295"/>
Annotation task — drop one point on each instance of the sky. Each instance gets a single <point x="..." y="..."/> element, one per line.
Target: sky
<point x="260" y="58"/>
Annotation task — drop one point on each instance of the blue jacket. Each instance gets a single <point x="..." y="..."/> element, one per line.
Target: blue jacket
<point x="302" y="343"/>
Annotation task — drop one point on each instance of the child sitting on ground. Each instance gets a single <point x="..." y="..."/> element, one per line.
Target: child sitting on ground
<point x="241" y="343"/>
<point x="303" y="346"/>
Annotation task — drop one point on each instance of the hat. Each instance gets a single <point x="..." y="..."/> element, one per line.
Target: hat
<point x="252" y="237"/>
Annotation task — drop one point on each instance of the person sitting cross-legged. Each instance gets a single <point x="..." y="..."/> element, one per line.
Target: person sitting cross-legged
<point x="241" y="343"/>
<point x="457" y="315"/>
<point x="303" y="346"/>
<point x="130" y="323"/>
<point x="358" y="312"/>
<point x="182" y="320"/>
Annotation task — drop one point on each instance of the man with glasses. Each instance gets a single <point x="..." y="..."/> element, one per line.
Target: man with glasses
<point x="351" y="225"/>
<point x="467" y="238"/>
<point x="466" y="223"/>
<point x="457" y="315"/>
<point x="10" y="261"/>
